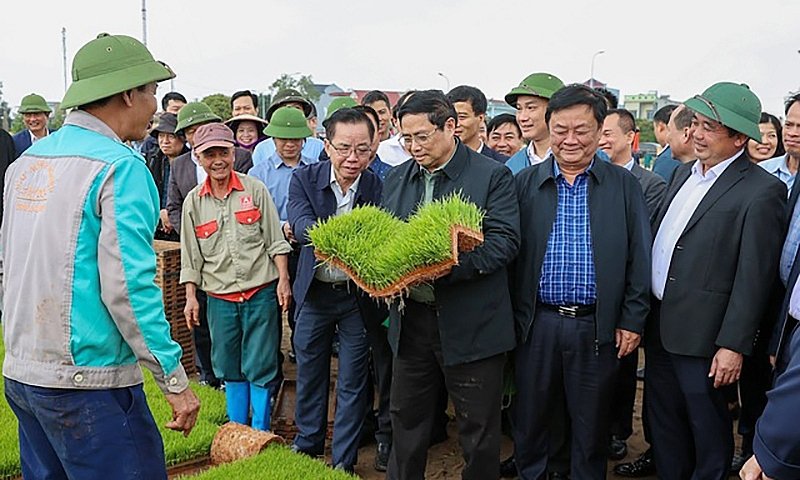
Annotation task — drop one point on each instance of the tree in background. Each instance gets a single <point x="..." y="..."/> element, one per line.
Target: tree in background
<point x="646" y="132"/>
<point x="220" y="104"/>
<point x="304" y="84"/>
<point x="5" y="111"/>
<point x="17" y="125"/>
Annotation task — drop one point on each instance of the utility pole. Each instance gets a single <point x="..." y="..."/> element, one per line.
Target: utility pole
<point x="64" y="54"/>
<point x="144" y="22"/>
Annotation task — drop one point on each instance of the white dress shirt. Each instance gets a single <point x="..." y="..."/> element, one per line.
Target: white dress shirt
<point x="794" y="301"/>
<point x="391" y="151"/>
<point x="678" y="214"/>
<point x="536" y="159"/>
<point x="344" y="204"/>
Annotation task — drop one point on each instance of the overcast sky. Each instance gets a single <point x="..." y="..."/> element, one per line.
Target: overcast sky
<point x="676" y="47"/>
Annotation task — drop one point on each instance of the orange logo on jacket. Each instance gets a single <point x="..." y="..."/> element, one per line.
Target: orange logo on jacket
<point x="34" y="186"/>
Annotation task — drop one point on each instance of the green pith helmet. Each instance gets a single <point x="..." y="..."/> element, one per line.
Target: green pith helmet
<point x="340" y="102"/>
<point x="537" y="84"/>
<point x="111" y="64"/>
<point x="288" y="122"/>
<point x="194" y="113"/>
<point x="731" y="104"/>
<point x="34" y="104"/>
<point x="286" y="96"/>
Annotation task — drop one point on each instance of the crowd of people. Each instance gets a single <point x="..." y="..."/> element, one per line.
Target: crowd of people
<point x="588" y="257"/>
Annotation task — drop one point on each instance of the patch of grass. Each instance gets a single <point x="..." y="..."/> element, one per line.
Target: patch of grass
<point x="275" y="463"/>
<point x="176" y="448"/>
<point x="380" y="248"/>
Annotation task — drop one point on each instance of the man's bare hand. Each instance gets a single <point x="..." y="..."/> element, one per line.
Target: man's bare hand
<point x="725" y="367"/>
<point x="192" y="312"/>
<point x="284" y="292"/>
<point x="287" y="232"/>
<point x="626" y="341"/>
<point x="752" y="471"/>
<point x="185" y="406"/>
<point x="167" y="226"/>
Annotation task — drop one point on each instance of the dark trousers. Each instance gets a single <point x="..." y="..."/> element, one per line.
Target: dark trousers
<point x="476" y="389"/>
<point x="691" y="427"/>
<point x="624" y="397"/>
<point x="201" y="336"/>
<point x="374" y="316"/>
<point x="558" y="364"/>
<point x="276" y="384"/>
<point x="86" y="434"/>
<point x="325" y="309"/>
<point x="754" y="382"/>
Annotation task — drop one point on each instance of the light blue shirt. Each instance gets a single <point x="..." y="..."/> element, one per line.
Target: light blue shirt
<point x="778" y="167"/>
<point x="276" y="175"/>
<point x="312" y="147"/>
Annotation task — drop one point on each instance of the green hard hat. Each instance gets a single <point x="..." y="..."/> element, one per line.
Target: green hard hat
<point x="536" y="84"/>
<point x="731" y="104"/>
<point x="340" y="102"/>
<point x="286" y="96"/>
<point x="34" y="104"/>
<point x="111" y="64"/>
<point x="194" y="113"/>
<point x="288" y="122"/>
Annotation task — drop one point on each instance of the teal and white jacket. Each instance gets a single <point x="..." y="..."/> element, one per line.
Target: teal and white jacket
<point x="81" y="306"/>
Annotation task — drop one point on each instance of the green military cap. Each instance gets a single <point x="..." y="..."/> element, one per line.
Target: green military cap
<point x="288" y="95"/>
<point x="194" y="113"/>
<point x="536" y="84"/>
<point x="731" y="104"/>
<point x="111" y="64"/>
<point x="34" y="104"/>
<point x="288" y="122"/>
<point x="340" y="102"/>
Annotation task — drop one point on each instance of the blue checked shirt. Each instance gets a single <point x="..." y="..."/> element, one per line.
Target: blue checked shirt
<point x="568" y="276"/>
<point x="790" y="246"/>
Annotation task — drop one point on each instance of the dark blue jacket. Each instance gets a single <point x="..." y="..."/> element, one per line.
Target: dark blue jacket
<point x="311" y="199"/>
<point x="22" y="141"/>
<point x="621" y="243"/>
<point x="493" y="154"/>
<point x="777" y="436"/>
<point x="665" y="164"/>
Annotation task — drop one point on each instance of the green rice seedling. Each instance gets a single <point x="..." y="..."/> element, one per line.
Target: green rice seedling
<point x="275" y="463"/>
<point x="380" y="249"/>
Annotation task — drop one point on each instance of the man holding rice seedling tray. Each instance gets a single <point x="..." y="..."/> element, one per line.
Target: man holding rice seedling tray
<point x="455" y="328"/>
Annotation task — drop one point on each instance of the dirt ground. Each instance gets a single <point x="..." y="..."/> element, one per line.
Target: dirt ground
<point x="444" y="460"/>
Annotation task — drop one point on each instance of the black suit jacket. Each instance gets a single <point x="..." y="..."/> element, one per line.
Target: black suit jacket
<point x="473" y="301"/>
<point x="653" y="186"/>
<point x="620" y="243"/>
<point x="784" y="326"/>
<point x="724" y="262"/>
<point x="183" y="178"/>
<point x="493" y="154"/>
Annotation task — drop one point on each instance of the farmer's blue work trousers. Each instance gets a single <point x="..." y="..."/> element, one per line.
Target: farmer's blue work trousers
<point x="86" y="434"/>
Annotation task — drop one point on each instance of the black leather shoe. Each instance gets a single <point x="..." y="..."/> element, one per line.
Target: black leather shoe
<point x="737" y="463"/>
<point x="558" y="476"/>
<point x="508" y="468"/>
<point x="295" y="449"/>
<point x="644" y="466"/>
<point x="345" y="468"/>
<point x="382" y="451"/>
<point x="617" y="448"/>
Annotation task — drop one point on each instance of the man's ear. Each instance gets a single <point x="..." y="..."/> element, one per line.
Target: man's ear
<point x="127" y="97"/>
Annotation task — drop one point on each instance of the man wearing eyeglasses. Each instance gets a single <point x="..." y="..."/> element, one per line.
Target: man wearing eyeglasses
<point x="718" y="239"/>
<point x="455" y="330"/>
<point x="326" y="298"/>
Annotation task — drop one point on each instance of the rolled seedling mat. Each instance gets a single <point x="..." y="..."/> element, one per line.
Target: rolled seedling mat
<point x="235" y="441"/>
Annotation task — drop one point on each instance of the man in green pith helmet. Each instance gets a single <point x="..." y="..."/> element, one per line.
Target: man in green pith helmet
<point x="78" y="258"/>
<point x="35" y="112"/>
<point x="312" y="147"/>
<point x="716" y="251"/>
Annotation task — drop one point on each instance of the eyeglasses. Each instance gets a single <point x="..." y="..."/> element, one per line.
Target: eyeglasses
<point x="345" y="151"/>
<point x="420" y="138"/>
